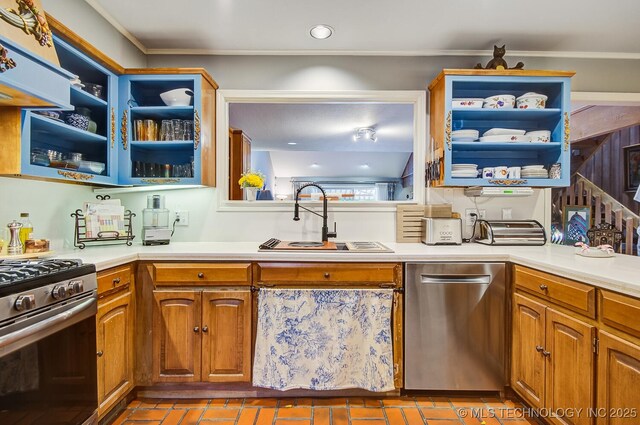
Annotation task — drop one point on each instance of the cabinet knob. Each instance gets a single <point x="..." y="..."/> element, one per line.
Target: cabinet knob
<point x="539" y="348"/>
<point x="116" y="281"/>
<point x="327" y="275"/>
<point x="546" y="353"/>
<point x="201" y="275"/>
<point x="99" y="353"/>
<point x="196" y="329"/>
<point x="544" y="287"/>
<point x="205" y="329"/>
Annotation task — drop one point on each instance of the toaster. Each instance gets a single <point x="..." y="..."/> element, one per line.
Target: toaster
<point x="510" y="232"/>
<point x="441" y="231"/>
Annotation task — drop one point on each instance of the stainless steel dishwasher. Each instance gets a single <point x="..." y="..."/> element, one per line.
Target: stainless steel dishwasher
<point x="455" y="326"/>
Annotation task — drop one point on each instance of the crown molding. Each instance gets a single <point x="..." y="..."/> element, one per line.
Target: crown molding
<point x="304" y="52"/>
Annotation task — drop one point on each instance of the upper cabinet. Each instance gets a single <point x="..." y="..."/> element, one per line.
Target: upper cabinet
<point x="167" y="127"/>
<point x="453" y="108"/>
<point x="29" y="71"/>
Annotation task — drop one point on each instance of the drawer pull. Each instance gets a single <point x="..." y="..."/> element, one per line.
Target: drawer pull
<point x="201" y="275"/>
<point x="196" y="329"/>
<point x="546" y="353"/>
<point x="99" y="353"/>
<point x="327" y="275"/>
<point x="205" y="329"/>
<point x="539" y="348"/>
<point x="544" y="287"/>
<point x="116" y="281"/>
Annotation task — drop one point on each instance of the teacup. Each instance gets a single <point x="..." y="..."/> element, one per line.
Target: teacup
<point x="501" y="172"/>
<point x="487" y="173"/>
<point x="514" y="172"/>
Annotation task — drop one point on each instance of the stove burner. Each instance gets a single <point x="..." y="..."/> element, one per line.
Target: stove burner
<point x="12" y="271"/>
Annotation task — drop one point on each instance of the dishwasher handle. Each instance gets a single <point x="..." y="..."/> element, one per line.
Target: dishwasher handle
<point x="480" y="279"/>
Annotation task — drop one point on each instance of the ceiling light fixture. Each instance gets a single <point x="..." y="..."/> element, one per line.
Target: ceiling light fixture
<point x="315" y="165"/>
<point x="364" y="166"/>
<point x="366" y="133"/>
<point x="321" y="32"/>
<point x="292" y="143"/>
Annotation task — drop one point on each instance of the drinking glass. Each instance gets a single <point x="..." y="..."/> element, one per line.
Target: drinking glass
<point x="187" y="130"/>
<point x="177" y="129"/>
<point x="139" y="133"/>
<point x="166" y="130"/>
<point x="151" y="130"/>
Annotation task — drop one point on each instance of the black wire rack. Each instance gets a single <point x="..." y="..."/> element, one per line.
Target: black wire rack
<point x="105" y="238"/>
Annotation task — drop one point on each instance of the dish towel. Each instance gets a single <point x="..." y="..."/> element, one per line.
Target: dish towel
<point x="324" y="339"/>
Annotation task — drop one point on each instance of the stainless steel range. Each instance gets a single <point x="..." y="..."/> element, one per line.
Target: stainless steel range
<point x="48" y="342"/>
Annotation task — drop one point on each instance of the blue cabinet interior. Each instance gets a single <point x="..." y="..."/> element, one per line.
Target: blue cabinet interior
<point x="555" y="118"/>
<point x="124" y="100"/>
<point x="157" y="161"/>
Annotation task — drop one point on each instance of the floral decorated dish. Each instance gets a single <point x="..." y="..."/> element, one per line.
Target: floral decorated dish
<point x="467" y="103"/>
<point x="601" y="251"/>
<point x="532" y="101"/>
<point x="542" y="136"/>
<point x="500" y="101"/>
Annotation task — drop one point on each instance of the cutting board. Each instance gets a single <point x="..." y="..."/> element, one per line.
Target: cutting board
<point x="284" y="246"/>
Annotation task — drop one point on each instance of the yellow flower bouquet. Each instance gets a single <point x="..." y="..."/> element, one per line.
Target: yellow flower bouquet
<point x="252" y="179"/>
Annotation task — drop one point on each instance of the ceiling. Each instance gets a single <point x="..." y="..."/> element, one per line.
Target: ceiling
<point x="567" y="28"/>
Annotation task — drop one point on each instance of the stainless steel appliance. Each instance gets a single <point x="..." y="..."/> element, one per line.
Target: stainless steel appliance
<point x="48" y="342"/>
<point x="155" y="222"/>
<point x="441" y="231"/>
<point x="510" y="232"/>
<point x="455" y="326"/>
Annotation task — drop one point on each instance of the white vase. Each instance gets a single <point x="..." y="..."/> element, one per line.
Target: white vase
<point x="250" y="193"/>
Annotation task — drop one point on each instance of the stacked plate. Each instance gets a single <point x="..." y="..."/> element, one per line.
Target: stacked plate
<point x="468" y="171"/>
<point x="507" y="135"/>
<point x="465" y="135"/>
<point x="534" y="172"/>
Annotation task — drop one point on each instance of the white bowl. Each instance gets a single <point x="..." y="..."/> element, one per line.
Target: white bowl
<point x="540" y="136"/>
<point x="532" y="101"/>
<point x="467" y="103"/>
<point x="504" y="132"/>
<point x="177" y="97"/>
<point x="514" y="138"/>
<point x="500" y="101"/>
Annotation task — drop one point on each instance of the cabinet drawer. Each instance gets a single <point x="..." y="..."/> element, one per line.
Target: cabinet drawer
<point x="362" y="273"/>
<point x="167" y="274"/>
<point x="571" y="294"/>
<point x="114" y="278"/>
<point x="620" y="312"/>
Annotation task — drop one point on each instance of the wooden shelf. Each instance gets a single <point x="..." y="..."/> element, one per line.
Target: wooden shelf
<point x="165" y="145"/>
<point x="504" y="146"/>
<point x="82" y="98"/>
<point x="506" y="114"/>
<point x="162" y="112"/>
<point x="51" y="129"/>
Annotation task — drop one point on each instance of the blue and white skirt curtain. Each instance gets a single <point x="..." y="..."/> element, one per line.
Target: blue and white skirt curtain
<point x="324" y="339"/>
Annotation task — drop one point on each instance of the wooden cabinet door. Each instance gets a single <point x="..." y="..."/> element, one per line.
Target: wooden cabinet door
<point x="176" y="336"/>
<point x="570" y="366"/>
<point x="618" y="381"/>
<point x="114" y="340"/>
<point x="528" y="363"/>
<point x="226" y="342"/>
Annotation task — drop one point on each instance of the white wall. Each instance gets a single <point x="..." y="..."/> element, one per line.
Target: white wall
<point x="82" y="19"/>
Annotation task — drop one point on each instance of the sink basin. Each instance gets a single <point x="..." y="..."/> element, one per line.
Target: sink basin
<point x="306" y="244"/>
<point x="315" y="246"/>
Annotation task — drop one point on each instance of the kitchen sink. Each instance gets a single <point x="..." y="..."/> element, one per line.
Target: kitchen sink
<point x="367" y="246"/>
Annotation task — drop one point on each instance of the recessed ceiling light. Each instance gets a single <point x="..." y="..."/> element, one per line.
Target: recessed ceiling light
<point x="321" y="32"/>
<point x="364" y="166"/>
<point x="292" y="143"/>
<point x="315" y="165"/>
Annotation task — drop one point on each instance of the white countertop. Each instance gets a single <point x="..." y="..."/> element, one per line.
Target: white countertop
<point x="620" y="273"/>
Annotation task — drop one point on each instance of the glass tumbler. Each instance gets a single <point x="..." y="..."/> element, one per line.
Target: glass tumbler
<point x="139" y="133"/>
<point x="151" y="130"/>
<point x="187" y="130"/>
<point x="177" y="129"/>
<point x="166" y="130"/>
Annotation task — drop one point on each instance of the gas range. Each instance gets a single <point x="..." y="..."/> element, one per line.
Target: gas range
<point x="32" y="290"/>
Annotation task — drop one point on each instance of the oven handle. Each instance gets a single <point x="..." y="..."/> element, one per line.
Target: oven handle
<point x="41" y="326"/>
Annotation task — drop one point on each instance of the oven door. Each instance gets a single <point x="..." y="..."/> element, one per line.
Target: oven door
<point x="48" y="367"/>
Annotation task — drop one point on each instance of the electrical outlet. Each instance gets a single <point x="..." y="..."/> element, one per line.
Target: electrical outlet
<point x="183" y="217"/>
<point x="482" y="215"/>
<point x="468" y="218"/>
<point x="507" y="213"/>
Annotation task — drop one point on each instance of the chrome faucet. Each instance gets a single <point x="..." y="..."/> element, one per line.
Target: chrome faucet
<point x="326" y="234"/>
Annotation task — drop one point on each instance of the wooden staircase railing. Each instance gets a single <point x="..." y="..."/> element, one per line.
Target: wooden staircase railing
<point x="583" y="192"/>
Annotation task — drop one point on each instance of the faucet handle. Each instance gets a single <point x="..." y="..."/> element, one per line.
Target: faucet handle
<point x="333" y="234"/>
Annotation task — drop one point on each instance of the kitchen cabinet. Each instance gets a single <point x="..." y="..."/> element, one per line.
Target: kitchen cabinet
<point x="618" y="400"/>
<point x="343" y="275"/>
<point x="239" y="161"/>
<point x="202" y="335"/>
<point x="552" y="358"/>
<point x="188" y="157"/>
<point x="43" y="145"/>
<point x="115" y="336"/>
<point x="464" y="83"/>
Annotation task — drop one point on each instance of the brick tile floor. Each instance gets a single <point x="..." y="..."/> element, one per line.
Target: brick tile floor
<point x="325" y="411"/>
